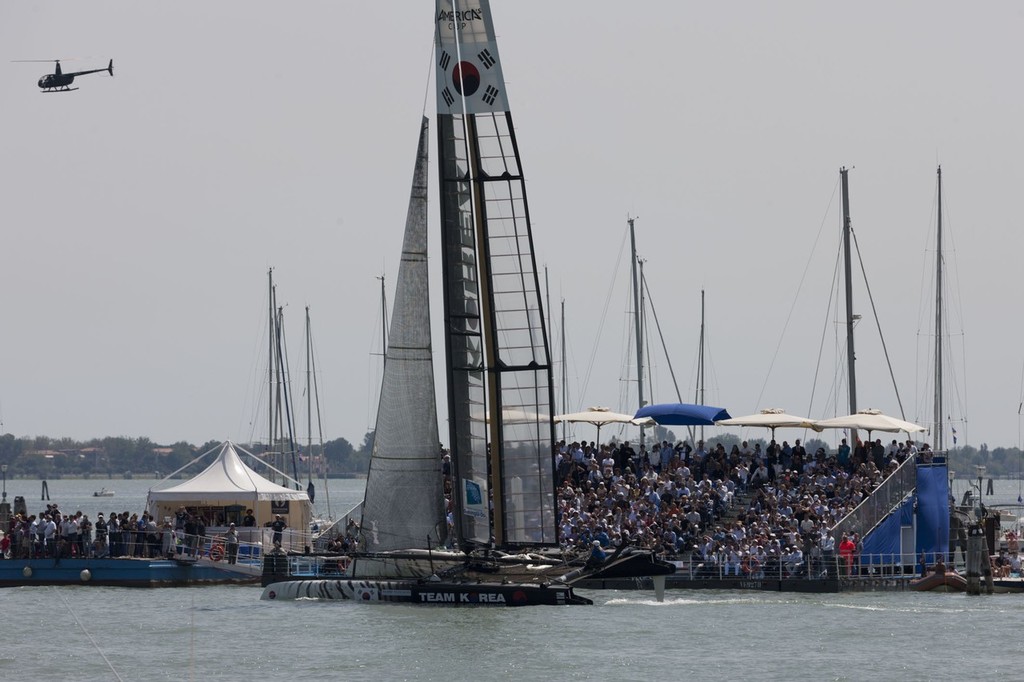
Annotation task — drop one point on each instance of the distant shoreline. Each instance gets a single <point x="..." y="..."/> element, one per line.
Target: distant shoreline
<point x="122" y="477"/>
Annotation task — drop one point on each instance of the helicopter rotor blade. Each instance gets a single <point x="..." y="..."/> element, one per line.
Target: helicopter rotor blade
<point x="62" y="59"/>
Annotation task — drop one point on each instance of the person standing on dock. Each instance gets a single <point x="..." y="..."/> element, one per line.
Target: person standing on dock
<point x="85" y="527"/>
<point x="846" y="549"/>
<point x="50" y="537"/>
<point x="167" y="539"/>
<point x="278" y="527"/>
<point x="231" y="543"/>
<point x="116" y="533"/>
<point x="100" y="546"/>
<point x="191" y="538"/>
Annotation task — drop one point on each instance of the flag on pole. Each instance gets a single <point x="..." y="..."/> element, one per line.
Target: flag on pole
<point x="954" y="434"/>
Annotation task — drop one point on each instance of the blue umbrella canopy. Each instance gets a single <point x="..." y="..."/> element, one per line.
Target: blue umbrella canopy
<point x="683" y="414"/>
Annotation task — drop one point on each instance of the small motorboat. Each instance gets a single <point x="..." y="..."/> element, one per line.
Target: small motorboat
<point x="947" y="581"/>
<point x="103" y="492"/>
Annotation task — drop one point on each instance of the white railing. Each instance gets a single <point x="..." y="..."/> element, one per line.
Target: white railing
<point x="769" y="567"/>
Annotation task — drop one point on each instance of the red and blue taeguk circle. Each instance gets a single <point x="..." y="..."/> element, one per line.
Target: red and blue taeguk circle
<point x="466" y="78"/>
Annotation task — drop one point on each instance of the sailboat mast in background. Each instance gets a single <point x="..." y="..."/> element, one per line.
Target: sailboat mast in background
<point x="851" y="356"/>
<point x="638" y="324"/>
<point x="939" y="441"/>
<point x="700" y="361"/>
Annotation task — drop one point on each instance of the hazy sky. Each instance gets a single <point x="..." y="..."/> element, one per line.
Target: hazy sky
<point x="139" y="215"/>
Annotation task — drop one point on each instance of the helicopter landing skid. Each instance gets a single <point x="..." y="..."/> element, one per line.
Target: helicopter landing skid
<point x="58" y="90"/>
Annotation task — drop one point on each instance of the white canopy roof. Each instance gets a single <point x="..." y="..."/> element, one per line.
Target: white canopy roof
<point x="227" y="478"/>
<point x="600" y="416"/>
<point x="870" y="420"/>
<point x="772" y="418"/>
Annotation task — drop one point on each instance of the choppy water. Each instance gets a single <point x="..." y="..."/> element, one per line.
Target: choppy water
<point x="227" y="633"/>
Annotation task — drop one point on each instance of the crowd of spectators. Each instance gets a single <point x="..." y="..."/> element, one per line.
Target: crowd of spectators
<point x="737" y="513"/>
<point x="55" y="534"/>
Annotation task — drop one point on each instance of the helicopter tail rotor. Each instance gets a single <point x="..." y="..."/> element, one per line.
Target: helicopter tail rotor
<point x="110" y="67"/>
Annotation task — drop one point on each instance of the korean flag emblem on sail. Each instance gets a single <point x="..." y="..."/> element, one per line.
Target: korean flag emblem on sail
<point x="472" y="84"/>
<point x="365" y="592"/>
<point x="469" y="76"/>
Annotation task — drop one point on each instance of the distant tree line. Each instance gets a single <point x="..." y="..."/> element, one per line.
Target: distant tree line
<point x="44" y="457"/>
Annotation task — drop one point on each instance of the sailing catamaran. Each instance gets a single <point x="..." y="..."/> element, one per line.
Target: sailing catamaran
<point x="502" y="534"/>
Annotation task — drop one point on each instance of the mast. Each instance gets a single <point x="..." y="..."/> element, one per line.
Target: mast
<point x="500" y="382"/>
<point x="700" y="361"/>
<point x="383" y="319"/>
<point x="286" y="400"/>
<point x="271" y="323"/>
<point x="637" y="321"/>
<point x="939" y="424"/>
<point x="850" y="317"/>
<point x="313" y="402"/>
<point x="565" y="375"/>
<point x="309" y="403"/>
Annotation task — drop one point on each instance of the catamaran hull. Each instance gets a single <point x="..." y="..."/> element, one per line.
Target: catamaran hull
<point x="438" y="593"/>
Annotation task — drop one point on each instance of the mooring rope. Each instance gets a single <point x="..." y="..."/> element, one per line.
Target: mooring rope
<point x="87" y="634"/>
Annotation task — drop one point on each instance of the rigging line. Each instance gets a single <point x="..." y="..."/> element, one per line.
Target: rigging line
<point x="375" y="374"/>
<point x="1020" y="455"/>
<point x="192" y="639"/>
<point x="878" y="324"/>
<point x="962" y="385"/>
<point x="88" y="634"/>
<point x="825" y="327"/>
<point x="282" y="350"/>
<point x="646" y="373"/>
<point x="255" y="378"/>
<point x="320" y="427"/>
<point x="926" y="312"/>
<point x="928" y="266"/>
<point x="664" y="348"/>
<point x="430" y="69"/>
<point x="601" y="322"/>
<point x="661" y="337"/>
<point x="803" y="276"/>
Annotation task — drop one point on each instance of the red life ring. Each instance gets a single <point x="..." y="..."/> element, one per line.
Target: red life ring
<point x="216" y="551"/>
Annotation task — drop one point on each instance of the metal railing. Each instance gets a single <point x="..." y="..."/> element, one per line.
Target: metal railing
<point x="829" y="566"/>
<point x="165" y="544"/>
<point x="770" y="567"/>
<point x="880" y="502"/>
<point x="216" y="548"/>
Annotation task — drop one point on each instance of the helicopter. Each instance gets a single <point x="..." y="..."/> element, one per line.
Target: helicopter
<point x="58" y="81"/>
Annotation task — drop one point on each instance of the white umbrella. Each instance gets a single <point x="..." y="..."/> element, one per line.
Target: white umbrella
<point x="870" y="420"/>
<point x="599" y="416"/>
<point x="772" y="418"/>
<point x="512" y="415"/>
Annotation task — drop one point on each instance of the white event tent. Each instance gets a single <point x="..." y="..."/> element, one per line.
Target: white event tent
<point x="222" y="492"/>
